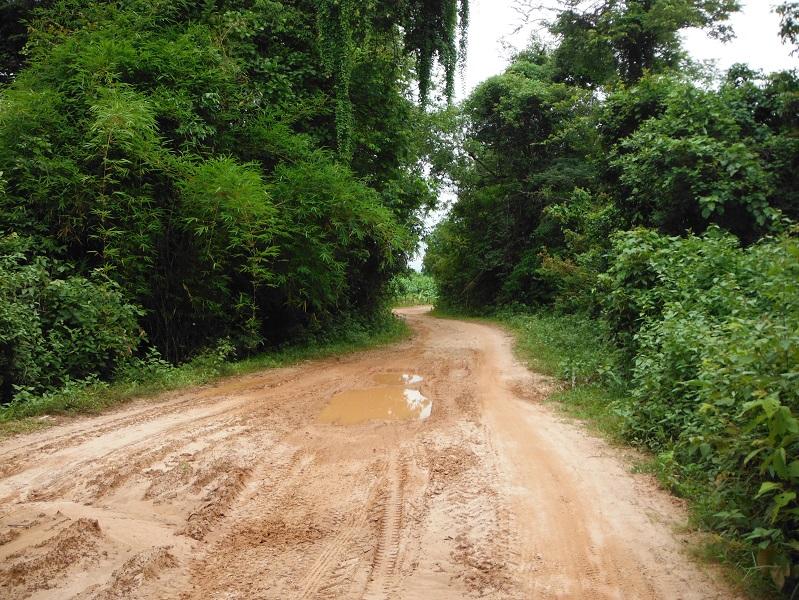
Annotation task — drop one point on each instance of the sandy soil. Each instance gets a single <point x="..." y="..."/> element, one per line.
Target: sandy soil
<point x="239" y="490"/>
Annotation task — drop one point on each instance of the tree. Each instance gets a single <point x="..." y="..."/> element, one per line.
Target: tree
<point x="789" y="23"/>
<point x="626" y="38"/>
<point x="553" y="166"/>
<point x="253" y="166"/>
<point x="527" y="139"/>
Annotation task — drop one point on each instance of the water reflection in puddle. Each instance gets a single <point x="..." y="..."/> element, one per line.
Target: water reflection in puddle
<point x="398" y="378"/>
<point x="380" y="403"/>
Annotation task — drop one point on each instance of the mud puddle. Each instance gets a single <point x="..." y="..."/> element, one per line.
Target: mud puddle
<point x="394" y="403"/>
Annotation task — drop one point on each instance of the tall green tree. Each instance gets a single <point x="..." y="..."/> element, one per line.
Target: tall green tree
<point x="551" y="167"/>
<point x="245" y="169"/>
<point x="526" y="138"/>
<point x="601" y="41"/>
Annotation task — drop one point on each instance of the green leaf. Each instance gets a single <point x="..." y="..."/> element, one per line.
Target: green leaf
<point x="767" y="487"/>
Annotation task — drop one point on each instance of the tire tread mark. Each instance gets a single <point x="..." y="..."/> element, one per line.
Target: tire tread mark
<point x="387" y="553"/>
<point x="329" y="558"/>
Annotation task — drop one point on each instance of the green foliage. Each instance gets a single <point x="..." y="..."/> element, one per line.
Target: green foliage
<point x="586" y="222"/>
<point x="431" y="30"/>
<point x="789" y="22"/>
<point x="56" y="326"/>
<point x="338" y="244"/>
<point x="335" y="27"/>
<point x="713" y="330"/>
<point x="573" y="348"/>
<point x="548" y="172"/>
<point x="432" y="33"/>
<point x="707" y="158"/>
<point x="626" y="39"/>
<point x="649" y="270"/>
<point x="526" y="137"/>
<point x="412" y="288"/>
<point x="241" y="171"/>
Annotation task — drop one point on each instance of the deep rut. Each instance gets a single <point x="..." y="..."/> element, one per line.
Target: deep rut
<point x="237" y="491"/>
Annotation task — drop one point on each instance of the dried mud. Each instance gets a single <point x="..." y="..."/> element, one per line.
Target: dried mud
<point x="239" y="490"/>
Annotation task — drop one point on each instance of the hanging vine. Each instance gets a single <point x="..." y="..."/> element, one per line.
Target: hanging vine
<point x="434" y="31"/>
<point x="335" y="23"/>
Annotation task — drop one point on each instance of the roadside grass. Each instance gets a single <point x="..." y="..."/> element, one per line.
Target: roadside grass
<point x="22" y="425"/>
<point x="734" y="559"/>
<point x="576" y="350"/>
<point x="151" y="376"/>
<point x="409" y="301"/>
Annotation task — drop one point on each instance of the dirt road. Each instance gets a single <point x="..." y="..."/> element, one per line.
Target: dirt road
<point x="240" y="490"/>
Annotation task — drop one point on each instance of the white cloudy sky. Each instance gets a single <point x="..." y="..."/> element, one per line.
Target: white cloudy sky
<point x="756" y="26"/>
<point x="493" y="22"/>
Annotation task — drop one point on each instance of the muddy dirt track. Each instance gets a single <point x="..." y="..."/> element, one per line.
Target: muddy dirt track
<point x="238" y="490"/>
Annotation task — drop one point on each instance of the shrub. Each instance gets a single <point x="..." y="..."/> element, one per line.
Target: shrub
<point x="413" y="288"/>
<point x="55" y="326"/>
<point x="713" y="330"/>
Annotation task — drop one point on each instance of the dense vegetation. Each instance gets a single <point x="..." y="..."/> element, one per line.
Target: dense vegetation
<point x="413" y="288"/>
<point x="185" y="182"/>
<point x="176" y="174"/>
<point x="607" y="176"/>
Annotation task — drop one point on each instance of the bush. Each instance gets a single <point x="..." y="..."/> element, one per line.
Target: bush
<point x="713" y="331"/>
<point x="54" y="326"/>
<point x="413" y="288"/>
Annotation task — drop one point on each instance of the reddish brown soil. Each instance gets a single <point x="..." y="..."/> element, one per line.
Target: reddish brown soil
<point x="238" y="491"/>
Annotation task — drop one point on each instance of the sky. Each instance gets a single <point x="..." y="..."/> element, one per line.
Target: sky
<point x="494" y="34"/>
<point x="492" y="25"/>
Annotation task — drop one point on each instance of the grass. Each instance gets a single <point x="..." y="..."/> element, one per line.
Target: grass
<point x="410" y="301"/>
<point x="152" y="376"/>
<point x="22" y="425"/>
<point x="734" y="558"/>
<point x="578" y="352"/>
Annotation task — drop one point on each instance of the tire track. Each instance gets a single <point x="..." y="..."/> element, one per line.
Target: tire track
<point x="319" y="576"/>
<point x="492" y="493"/>
<point x="170" y="403"/>
<point x="383" y="577"/>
